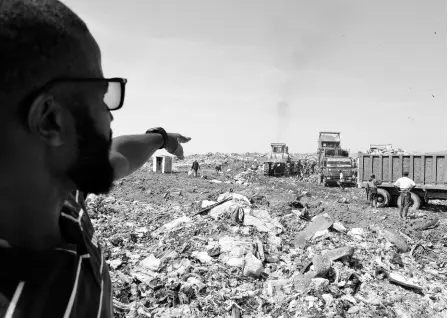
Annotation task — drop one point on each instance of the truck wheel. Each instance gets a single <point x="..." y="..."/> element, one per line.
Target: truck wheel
<point x="383" y="199"/>
<point x="416" y="202"/>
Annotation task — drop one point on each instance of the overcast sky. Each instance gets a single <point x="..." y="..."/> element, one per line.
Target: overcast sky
<point x="238" y="75"/>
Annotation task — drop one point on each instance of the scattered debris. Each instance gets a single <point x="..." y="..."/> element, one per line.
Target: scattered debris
<point x="151" y="263"/>
<point x="264" y="247"/>
<point x="210" y="205"/>
<point x="252" y="266"/>
<point x="397" y="240"/>
<point x="337" y="226"/>
<point x="404" y="281"/>
<point x="262" y="221"/>
<point x="319" y="223"/>
<point x="428" y="225"/>
<point x="356" y="233"/>
<point x="203" y="257"/>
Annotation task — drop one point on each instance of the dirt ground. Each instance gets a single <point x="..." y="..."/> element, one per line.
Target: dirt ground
<point x="130" y="223"/>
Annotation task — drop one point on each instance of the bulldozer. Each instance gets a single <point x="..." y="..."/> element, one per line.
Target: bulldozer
<point x="278" y="161"/>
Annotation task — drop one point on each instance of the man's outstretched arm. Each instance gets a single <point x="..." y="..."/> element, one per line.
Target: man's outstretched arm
<point x="130" y="152"/>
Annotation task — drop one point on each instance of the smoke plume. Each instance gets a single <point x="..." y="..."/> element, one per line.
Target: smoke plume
<point x="283" y="115"/>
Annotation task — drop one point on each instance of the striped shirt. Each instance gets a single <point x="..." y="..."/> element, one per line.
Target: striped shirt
<point x="67" y="282"/>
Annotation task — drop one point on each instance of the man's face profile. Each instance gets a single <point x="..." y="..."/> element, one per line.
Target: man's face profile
<point x="92" y="171"/>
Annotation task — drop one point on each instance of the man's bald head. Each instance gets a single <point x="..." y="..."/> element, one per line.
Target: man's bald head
<point x="41" y="40"/>
<point x="58" y="137"/>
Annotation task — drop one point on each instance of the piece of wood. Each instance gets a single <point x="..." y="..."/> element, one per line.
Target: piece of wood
<point x="403" y="281"/>
<point x="260" y="251"/>
<point x="236" y="312"/>
<point x="207" y="209"/>
<point x="427" y="225"/>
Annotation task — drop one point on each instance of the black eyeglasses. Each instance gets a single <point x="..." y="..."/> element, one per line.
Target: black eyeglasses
<point x="114" y="88"/>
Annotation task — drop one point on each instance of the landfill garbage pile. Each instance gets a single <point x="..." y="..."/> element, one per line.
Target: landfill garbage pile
<point x="210" y="160"/>
<point x="246" y="177"/>
<point x="386" y="152"/>
<point x="235" y="256"/>
<point x="307" y="156"/>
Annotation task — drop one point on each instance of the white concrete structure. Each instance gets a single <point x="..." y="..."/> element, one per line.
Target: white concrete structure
<point x="162" y="164"/>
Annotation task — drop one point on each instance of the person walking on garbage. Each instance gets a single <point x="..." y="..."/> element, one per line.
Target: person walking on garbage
<point x="405" y="186"/>
<point x="341" y="179"/>
<point x="58" y="106"/>
<point x="302" y="169"/>
<point x="195" y="167"/>
<point x="321" y="174"/>
<point x="255" y="164"/>
<point x="246" y="163"/>
<point x="218" y="168"/>
<point x="313" y="167"/>
<point x="372" y="190"/>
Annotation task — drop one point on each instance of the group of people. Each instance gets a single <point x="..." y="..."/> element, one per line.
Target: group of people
<point x="219" y="166"/>
<point x="195" y="168"/>
<point x="305" y="167"/>
<point x="404" y="185"/>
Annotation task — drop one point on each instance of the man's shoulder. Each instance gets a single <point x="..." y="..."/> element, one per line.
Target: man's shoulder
<point x="75" y="198"/>
<point x="77" y="270"/>
<point x="78" y="229"/>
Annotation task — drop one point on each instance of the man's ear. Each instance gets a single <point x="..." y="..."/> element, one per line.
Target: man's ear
<point x="45" y="119"/>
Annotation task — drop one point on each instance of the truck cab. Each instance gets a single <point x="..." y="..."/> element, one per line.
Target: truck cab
<point x="330" y="170"/>
<point x="279" y="152"/>
<point x="329" y="145"/>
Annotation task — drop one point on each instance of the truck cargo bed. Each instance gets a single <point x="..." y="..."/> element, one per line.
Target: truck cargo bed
<point x="427" y="170"/>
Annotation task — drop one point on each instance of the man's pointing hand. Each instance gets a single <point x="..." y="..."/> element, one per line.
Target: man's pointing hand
<point x="173" y="144"/>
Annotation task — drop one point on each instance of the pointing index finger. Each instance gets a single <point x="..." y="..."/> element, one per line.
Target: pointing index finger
<point x="183" y="139"/>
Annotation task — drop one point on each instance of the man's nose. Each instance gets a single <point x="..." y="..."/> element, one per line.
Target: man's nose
<point x="111" y="116"/>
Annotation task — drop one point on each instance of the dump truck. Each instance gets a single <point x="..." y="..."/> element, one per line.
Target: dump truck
<point x="329" y="145"/>
<point x="332" y="159"/>
<point x="279" y="163"/>
<point x="428" y="170"/>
